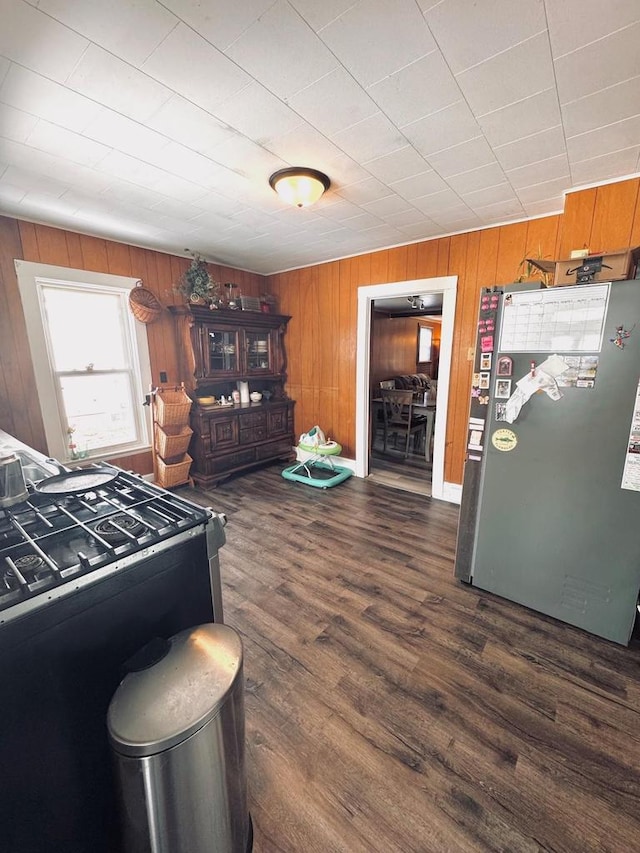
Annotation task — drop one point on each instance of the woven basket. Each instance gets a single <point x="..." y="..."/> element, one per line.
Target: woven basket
<point x="174" y="473"/>
<point x="172" y="407"/>
<point x="172" y="440"/>
<point x="144" y="304"/>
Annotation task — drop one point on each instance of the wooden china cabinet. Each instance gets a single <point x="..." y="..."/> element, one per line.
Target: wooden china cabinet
<point x="217" y="350"/>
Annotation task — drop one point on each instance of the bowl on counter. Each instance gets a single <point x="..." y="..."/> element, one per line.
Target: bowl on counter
<point x="206" y="401"/>
<point x="255" y="396"/>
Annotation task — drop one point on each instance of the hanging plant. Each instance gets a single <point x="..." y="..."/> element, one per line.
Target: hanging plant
<point x="197" y="285"/>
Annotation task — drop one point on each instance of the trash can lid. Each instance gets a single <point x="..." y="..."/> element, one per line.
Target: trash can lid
<point x="159" y="707"/>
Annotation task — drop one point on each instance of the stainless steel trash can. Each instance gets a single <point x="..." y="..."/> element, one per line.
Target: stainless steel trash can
<point x="176" y="727"/>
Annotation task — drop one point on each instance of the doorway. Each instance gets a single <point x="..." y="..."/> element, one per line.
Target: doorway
<point x="445" y="285"/>
<point x="405" y="343"/>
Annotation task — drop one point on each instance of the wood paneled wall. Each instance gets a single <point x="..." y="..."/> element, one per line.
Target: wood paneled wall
<point x="431" y="367"/>
<point x="322" y="301"/>
<point x="394" y="347"/>
<point x="19" y="411"/>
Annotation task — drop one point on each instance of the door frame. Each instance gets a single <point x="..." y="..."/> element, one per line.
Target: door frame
<point x="447" y="285"/>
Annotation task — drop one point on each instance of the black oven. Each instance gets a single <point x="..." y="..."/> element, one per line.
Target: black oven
<point x="75" y="605"/>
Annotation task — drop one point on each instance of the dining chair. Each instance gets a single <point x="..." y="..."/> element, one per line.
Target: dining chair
<point x="399" y="419"/>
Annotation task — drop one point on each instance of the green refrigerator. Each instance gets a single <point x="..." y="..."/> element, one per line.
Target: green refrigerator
<point x="550" y="510"/>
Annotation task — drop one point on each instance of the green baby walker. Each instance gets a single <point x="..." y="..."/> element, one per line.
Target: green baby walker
<point x="319" y="469"/>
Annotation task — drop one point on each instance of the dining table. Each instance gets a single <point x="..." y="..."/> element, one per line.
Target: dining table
<point x="421" y="406"/>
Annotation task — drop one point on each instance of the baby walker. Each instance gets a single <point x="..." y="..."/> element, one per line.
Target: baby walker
<point x="319" y="469"/>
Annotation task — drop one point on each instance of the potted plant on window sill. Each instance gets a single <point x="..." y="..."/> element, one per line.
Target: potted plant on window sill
<point x="197" y="285"/>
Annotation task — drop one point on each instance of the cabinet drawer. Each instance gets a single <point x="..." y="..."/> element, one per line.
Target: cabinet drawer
<point x="274" y="449"/>
<point x="223" y="432"/>
<point x="231" y="461"/>
<point x="252" y="419"/>
<point x="250" y="436"/>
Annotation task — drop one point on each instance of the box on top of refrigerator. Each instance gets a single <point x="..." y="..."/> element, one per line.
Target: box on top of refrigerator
<point x="606" y="266"/>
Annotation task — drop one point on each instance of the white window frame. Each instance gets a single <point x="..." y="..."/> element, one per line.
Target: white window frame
<point x="425" y="332"/>
<point x="30" y="277"/>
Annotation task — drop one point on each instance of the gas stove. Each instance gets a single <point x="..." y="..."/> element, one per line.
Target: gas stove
<point x="52" y="545"/>
<point x="86" y="581"/>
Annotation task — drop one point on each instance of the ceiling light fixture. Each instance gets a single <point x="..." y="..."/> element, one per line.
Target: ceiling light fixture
<point x="299" y="186"/>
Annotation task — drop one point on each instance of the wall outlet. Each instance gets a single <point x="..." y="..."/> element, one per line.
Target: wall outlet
<point x="471" y="354"/>
<point x="163" y="377"/>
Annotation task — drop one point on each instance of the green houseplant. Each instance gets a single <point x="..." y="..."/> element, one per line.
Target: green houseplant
<point x="197" y="285"/>
<point x="535" y="267"/>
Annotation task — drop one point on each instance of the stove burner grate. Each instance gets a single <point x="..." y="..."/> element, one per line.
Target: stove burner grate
<point x="115" y="528"/>
<point x="29" y="563"/>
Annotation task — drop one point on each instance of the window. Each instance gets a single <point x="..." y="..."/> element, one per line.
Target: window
<point x="90" y="359"/>
<point x="425" y="335"/>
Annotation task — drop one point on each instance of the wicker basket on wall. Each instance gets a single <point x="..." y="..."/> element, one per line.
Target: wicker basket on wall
<point x="144" y="304"/>
<point x="173" y="407"/>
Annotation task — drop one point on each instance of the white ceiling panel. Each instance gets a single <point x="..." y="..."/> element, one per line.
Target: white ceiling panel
<point x="187" y="64"/>
<point x="467" y="155"/>
<point x="536" y="173"/>
<point x="437" y="203"/>
<point x="418" y="185"/>
<point x="497" y="194"/>
<point x="282" y="51"/>
<point x="366" y="37"/>
<point x="132" y="33"/>
<point x="66" y="144"/>
<point x="444" y="129"/>
<point x="477" y="179"/>
<point x="604" y="107"/>
<point x="492" y="84"/>
<point x="258" y="114"/>
<point x="613" y="137"/>
<point x="576" y="23"/>
<point x="16" y="124"/>
<point x="122" y="133"/>
<point x="469" y="33"/>
<point x="109" y="81"/>
<point x="364" y="192"/>
<point x="333" y="103"/>
<point x="189" y="124"/>
<point x="599" y="65"/>
<point x="391" y="205"/>
<point x="158" y="122"/>
<point x="509" y="209"/>
<point x="39" y="96"/>
<point x="543" y="190"/>
<point x="36" y="41"/>
<point x="370" y="138"/>
<point x="545" y="206"/>
<point x="416" y="90"/>
<point x="520" y="120"/>
<point x="607" y="166"/>
<point x="531" y="149"/>
<point x="398" y="165"/>
<point x="318" y="15"/>
<point x="11" y="196"/>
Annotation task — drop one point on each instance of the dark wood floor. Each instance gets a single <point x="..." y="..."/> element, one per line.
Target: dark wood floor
<point x="391" y="468"/>
<point x="390" y="708"/>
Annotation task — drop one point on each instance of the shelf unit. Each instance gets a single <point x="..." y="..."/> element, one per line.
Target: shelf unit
<point x="171" y="436"/>
<point x="219" y="349"/>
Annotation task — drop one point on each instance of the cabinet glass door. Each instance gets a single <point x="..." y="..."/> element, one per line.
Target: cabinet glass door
<point x="258" y="351"/>
<point x="222" y="346"/>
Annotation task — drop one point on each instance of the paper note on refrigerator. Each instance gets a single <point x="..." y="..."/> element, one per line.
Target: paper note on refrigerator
<point x="542" y="378"/>
<point x="631" y="472"/>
